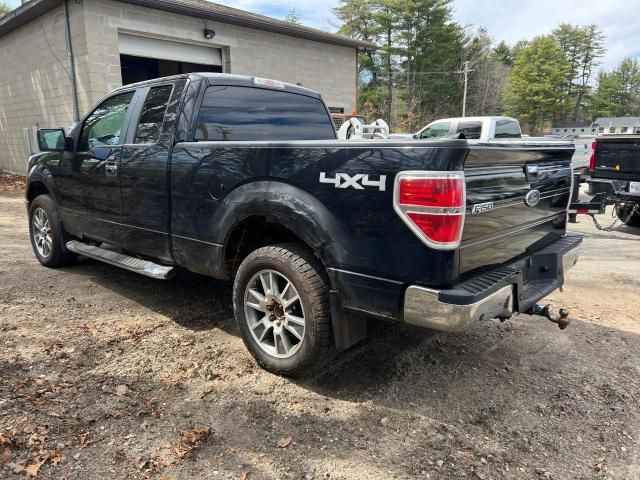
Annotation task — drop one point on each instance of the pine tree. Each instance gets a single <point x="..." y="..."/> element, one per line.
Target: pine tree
<point x="504" y="54"/>
<point x="292" y="16"/>
<point x="536" y="88"/>
<point x="618" y="91"/>
<point x="582" y="47"/>
<point x="489" y="72"/>
<point x="4" y="9"/>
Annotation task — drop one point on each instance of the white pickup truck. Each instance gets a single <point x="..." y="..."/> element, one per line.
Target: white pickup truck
<point x="475" y="129"/>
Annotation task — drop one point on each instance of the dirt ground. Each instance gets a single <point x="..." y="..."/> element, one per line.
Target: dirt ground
<point x="106" y="374"/>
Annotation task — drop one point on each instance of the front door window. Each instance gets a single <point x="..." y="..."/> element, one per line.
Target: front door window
<point x="437" y="130"/>
<point x="102" y="128"/>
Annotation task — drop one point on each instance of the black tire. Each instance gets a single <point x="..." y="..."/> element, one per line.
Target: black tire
<point x="622" y="211"/>
<point x="56" y="255"/>
<point x="298" y="266"/>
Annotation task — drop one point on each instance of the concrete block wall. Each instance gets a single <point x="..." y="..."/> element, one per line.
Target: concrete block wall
<point x="36" y="90"/>
<point x="329" y="69"/>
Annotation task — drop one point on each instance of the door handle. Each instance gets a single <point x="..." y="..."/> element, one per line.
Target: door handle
<point x="111" y="166"/>
<point x="531" y="173"/>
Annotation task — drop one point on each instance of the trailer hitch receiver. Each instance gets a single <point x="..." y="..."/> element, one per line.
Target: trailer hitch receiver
<point x="561" y="318"/>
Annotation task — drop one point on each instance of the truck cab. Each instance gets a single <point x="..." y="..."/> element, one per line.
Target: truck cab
<point x="474" y="129"/>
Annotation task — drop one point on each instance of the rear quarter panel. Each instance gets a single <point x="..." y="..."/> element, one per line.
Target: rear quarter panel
<point x="353" y="228"/>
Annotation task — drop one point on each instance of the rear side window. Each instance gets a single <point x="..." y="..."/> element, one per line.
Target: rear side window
<point x="508" y="129"/>
<point x="471" y="130"/>
<point x="243" y="113"/>
<point x="152" y="115"/>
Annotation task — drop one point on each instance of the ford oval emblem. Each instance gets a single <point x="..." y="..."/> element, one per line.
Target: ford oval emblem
<point x="532" y="198"/>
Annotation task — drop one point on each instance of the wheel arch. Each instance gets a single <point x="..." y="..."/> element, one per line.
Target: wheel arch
<point x="39" y="182"/>
<point x="288" y="212"/>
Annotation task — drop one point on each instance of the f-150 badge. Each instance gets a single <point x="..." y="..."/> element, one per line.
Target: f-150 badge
<point x="357" y="181"/>
<point x="481" y="207"/>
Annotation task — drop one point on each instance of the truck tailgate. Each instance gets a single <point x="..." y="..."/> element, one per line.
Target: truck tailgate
<point x="617" y="158"/>
<point x="517" y="195"/>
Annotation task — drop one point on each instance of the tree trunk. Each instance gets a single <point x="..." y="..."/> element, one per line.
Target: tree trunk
<point x="389" y="80"/>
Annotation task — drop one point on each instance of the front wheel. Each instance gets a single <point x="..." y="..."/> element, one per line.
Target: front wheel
<point x="47" y="233"/>
<point x="280" y="299"/>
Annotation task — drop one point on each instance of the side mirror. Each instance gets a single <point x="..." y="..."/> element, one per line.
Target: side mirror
<point x="415" y="135"/>
<point x="53" y="140"/>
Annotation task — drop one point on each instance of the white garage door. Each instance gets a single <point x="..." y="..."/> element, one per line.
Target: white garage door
<point x="149" y="47"/>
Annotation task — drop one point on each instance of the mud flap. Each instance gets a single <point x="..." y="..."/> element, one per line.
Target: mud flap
<point x="349" y="327"/>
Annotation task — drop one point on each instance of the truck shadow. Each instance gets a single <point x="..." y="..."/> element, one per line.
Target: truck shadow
<point x="399" y="366"/>
<point x="200" y="303"/>
<point x="626" y="229"/>
<point x="193" y="301"/>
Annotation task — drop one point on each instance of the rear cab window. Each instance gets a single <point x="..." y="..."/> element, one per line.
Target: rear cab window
<point x="236" y="113"/>
<point x="152" y="114"/>
<point x="471" y="129"/>
<point x="506" y="128"/>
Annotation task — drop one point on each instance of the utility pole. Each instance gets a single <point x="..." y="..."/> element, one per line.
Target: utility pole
<point x="464" y="95"/>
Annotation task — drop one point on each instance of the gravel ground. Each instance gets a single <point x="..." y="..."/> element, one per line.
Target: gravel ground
<point x="105" y="374"/>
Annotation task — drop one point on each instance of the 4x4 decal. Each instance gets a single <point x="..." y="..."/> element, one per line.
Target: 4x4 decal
<point x="357" y="181"/>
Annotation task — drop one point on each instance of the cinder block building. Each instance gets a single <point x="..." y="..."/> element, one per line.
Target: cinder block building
<point x="59" y="57"/>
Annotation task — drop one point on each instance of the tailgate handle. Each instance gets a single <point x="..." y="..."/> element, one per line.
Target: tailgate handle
<point x="531" y="172"/>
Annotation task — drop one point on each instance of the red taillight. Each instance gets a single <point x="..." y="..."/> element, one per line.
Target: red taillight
<point x="592" y="158"/>
<point x="432" y="204"/>
<point x="432" y="192"/>
<point x="439" y="228"/>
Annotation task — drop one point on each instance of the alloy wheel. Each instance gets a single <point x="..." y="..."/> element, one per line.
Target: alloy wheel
<point x="274" y="313"/>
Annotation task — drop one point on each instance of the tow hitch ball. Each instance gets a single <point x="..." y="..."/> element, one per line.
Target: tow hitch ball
<point x="561" y="318"/>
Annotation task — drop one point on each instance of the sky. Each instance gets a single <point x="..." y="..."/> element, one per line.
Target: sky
<point x="509" y="20"/>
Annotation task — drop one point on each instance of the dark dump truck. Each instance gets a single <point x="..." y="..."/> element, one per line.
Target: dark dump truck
<point x="614" y="169"/>
<point x="242" y="178"/>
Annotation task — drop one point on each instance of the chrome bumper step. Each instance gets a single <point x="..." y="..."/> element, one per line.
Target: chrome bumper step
<point x="137" y="265"/>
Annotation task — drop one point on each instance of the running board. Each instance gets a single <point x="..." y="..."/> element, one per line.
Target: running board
<point x="137" y="265"/>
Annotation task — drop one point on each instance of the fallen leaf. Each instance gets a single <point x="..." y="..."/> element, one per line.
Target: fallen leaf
<point x="479" y="474"/>
<point x="284" y="442"/>
<point x="206" y="392"/>
<point x="181" y="450"/>
<point x="122" y="390"/>
<point x="245" y="476"/>
<point x="56" y="458"/>
<point x="191" y="437"/>
<point x="5" y="454"/>
<point x="17" y="467"/>
<point x="32" y="470"/>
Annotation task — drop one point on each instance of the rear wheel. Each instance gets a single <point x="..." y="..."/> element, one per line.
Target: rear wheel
<point x="280" y="299"/>
<point x="47" y="234"/>
<point x="623" y="211"/>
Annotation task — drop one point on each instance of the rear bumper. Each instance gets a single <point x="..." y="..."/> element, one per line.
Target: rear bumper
<point x="498" y="293"/>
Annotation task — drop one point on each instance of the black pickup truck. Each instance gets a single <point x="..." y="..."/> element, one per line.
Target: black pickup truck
<point x="614" y="169"/>
<point x="242" y="178"/>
